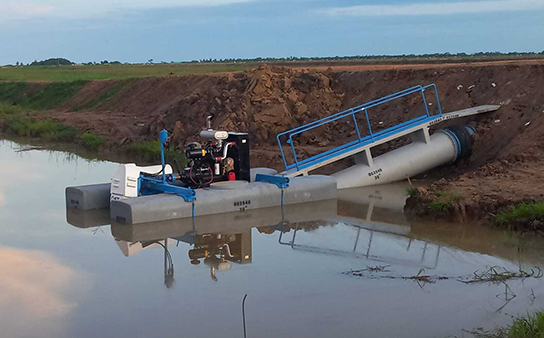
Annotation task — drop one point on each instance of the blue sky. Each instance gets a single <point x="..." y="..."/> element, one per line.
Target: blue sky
<point x="166" y="30"/>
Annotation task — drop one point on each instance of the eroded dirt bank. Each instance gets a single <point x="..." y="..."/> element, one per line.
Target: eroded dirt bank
<point x="506" y="165"/>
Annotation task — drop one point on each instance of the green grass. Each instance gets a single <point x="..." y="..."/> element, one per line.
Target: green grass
<point x="523" y="211"/>
<point x="444" y="201"/>
<point x="531" y="326"/>
<point x="91" y="141"/>
<point x="7" y="109"/>
<point x="102" y="72"/>
<point x="38" y="96"/>
<point x="13" y="92"/>
<point x="528" y="327"/>
<point x="49" y="130"/>
<point x="106" y="95"/>
<point x="151" y="151"/>
<point x="411" y="192"/>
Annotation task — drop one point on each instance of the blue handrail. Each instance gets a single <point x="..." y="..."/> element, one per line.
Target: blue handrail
<point x="361" y="140"/>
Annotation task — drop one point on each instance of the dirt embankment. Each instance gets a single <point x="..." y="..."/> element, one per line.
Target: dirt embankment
<point x="506" y="165"/>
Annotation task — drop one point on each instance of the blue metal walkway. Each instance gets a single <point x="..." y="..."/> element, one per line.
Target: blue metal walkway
<point x="365" y="142"/>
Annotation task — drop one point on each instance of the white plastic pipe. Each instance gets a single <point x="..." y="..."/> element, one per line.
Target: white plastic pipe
<point x="397" y="165"/>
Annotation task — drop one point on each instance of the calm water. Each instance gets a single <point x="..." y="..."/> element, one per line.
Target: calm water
<point x="74" y="275"/>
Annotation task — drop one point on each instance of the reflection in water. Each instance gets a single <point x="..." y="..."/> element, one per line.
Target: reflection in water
<point x="33" y="282"/>
<point x="126" y="295"/>
<point x="215" y="240"/>
<point x="416" y="252"/>
<point x="365" y="223"/>
<point x="133" y="248"/>
<point x="218" y="249"/>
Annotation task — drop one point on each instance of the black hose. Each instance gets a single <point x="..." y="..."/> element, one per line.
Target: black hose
<point x="244" y="314"/>
<point x="465" y="141"/>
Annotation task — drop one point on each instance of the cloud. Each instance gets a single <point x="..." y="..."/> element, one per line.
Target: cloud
<point x="443" y="8"/>
<point x="2" y="198"/>
<point x="27" y="9"/>
<point x="24" y="9"/>
<point x="34" y="291"/>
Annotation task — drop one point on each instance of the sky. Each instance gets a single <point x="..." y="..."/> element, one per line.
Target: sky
<point x="183" y="30"/>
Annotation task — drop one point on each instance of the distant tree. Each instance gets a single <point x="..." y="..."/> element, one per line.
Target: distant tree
<point x="17" y="63"/>
<point x="105" y="62"/>
<point x="52" y="62"/>
<point x="150" y="60"/>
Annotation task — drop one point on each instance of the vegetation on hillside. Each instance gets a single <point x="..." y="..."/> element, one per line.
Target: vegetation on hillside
<point x="91" y="141"/>
<point x="37" y="96"/>
<point x="48" y="130"/>
<point x="105" y="96"/>
<point x="150" y="151"/>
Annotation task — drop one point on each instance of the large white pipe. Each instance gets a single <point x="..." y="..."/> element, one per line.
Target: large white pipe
<point x="407" y="161"/>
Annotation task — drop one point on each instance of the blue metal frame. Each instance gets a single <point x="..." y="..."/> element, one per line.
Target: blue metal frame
<point x="163" y="138"/>
<point x="151" y="186"/>
<point x="280" y="181"/>
<point x="362" y="141"/>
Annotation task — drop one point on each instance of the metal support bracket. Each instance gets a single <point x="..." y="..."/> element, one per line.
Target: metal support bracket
<point x="364" y="157"/>
<point x="279" y="181"/>
<point x="150" y="186"/>
<point x="421" y="135"/>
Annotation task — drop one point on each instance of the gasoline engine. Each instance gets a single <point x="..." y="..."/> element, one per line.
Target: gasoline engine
<point x="223" y="156"/>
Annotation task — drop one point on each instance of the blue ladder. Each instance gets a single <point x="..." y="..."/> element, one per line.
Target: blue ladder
<point x="362" y="142"/>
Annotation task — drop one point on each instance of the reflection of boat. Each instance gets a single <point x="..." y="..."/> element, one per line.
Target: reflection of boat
<point x="365" y="223"/>
<point x="216" y="240"/>
<point x="373" y="220"/>
<point x="228" y="223"/>
<point x="87" y="218"/>
<point x="377" y="212"/>
<point x="379" y="208"/>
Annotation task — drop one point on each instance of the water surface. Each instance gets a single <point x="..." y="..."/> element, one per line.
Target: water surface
<point x="87" y="278"/>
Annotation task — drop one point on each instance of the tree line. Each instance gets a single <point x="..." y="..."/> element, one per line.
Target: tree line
<point x="66" y="62"/>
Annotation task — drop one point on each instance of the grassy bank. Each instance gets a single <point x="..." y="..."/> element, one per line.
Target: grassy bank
<point x="21" y="105"/>
<point x="47" y="129"/>
<point x="531" y="326"/>
<point x="524" y="214"/>
<point x="444" y="201"/>
<point x="14" y="123"/>
<point x="38" y="96"/>
<point x="106" y="95"/>
<point x="17" y="122"/>
<point x="150" y="151"/>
